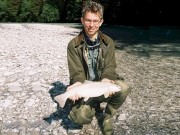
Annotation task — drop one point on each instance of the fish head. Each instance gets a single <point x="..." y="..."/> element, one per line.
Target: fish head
<point x="115" y="87"/>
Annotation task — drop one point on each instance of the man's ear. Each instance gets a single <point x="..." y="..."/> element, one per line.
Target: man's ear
<point x="82" y="20"/>
<point x="102" y="20"/>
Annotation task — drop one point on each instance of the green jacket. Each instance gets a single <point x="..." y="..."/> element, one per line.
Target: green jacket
<point x="77" y="63"/>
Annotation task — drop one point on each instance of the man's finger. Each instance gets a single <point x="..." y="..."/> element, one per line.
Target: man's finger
<point x="111" y="93"/>
<point x="112" y="81"/>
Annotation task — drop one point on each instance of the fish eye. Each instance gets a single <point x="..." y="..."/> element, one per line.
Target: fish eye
<point x="118" y="86"/>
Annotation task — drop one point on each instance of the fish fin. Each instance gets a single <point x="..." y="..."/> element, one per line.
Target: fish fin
<point x="86" y="98"/>
<point x="61" y="99"/>
<point x="106" y="94"/>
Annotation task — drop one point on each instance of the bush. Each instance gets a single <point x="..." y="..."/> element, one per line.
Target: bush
<point x="3" y="11"/>
<point x="30" y="10"/>
<point x="49" y="13"/>
<point x="40" y="10"/>
<point x="74" y="10"/>
<point x="9" y="10"/>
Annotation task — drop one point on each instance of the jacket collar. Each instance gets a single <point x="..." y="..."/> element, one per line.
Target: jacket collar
<point x="80" y="38"/>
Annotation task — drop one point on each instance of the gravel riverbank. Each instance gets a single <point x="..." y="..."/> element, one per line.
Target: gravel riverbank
<point x="33" y="56"/>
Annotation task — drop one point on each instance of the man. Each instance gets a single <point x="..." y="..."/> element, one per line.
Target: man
<point x="91" y="56"/>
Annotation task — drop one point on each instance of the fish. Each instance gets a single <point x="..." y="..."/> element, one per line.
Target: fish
<point x="88" y="89"/>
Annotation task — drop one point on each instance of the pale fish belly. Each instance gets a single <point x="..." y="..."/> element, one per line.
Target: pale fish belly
<point x="93" y="89"/>
<point x="87" y="90"/>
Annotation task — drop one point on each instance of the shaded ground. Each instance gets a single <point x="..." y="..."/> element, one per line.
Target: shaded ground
<point x="149" y="60"/>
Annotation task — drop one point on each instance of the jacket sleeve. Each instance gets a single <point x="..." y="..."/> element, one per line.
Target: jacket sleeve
<point x="76" y="70"/>
<point x="109" y="62"/>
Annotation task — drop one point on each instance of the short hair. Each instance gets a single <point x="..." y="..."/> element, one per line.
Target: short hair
<point x="93" y="7"/>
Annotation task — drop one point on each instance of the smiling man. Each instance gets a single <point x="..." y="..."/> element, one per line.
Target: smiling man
<point x="91" y="56"/>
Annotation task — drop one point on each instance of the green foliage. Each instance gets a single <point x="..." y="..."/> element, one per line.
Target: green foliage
<point x="49" y="13"/>
<point x="74" y="10"/>
<point x="13" y="8"/>
<point x="9" y="9"/>
<point x="30" y="10"/>
<point x="40" y="10"/>
<point x="25" y="11"/>
<point x="37" y="7"/>
<point x="3" y="12"/>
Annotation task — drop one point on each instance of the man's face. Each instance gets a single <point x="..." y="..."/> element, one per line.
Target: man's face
<point x="91" y="23"/>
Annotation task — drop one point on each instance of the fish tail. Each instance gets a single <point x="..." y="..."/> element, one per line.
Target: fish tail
<point x="61" y="99"/>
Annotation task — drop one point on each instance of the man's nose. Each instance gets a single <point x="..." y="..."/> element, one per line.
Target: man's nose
<point x="91" y="23"/>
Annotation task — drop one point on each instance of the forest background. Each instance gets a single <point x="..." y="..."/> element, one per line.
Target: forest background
<point x="121" y="12"/>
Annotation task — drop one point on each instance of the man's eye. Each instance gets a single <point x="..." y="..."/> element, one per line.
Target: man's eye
<point x="93" y="21"/>
<point x="96" y="21"/>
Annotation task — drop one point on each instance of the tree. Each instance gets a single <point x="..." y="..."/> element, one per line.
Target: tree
<point x="9" y="10"/>
<point x="29" y="10"/>
<point x="74" y="10"/>
<point x="50" y="11"/>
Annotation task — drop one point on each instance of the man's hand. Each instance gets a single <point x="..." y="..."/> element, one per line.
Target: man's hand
<point x="75" y="97"/>
<point x="109" y="81"/>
